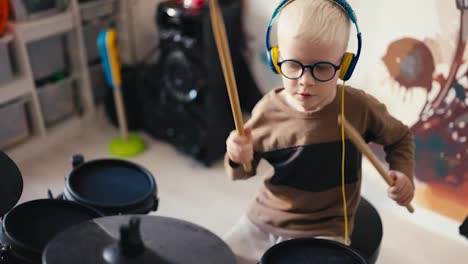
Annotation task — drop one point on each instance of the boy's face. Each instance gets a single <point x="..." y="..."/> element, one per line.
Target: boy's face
<point x="307" y="92"/>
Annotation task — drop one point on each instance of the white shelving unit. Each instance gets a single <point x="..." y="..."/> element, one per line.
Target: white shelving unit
<point x="16" y="88"/>
<point x="67" y="23"/>
<point x="41" y="28"/>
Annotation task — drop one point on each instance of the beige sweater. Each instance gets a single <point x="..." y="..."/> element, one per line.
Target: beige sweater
<point x="303" y="197"/>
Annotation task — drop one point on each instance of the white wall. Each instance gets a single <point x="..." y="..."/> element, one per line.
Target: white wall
<point x="138" y="15"/>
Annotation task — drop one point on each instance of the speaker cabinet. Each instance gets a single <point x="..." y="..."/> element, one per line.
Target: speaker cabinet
<point x="189" y="105"/>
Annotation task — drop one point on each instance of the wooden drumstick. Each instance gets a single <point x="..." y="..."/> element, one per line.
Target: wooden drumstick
<point x="219" y="32"/>
<point x="356" y="138"/>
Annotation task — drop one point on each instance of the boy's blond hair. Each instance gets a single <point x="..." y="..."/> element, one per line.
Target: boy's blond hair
<point x="317" y="21"/>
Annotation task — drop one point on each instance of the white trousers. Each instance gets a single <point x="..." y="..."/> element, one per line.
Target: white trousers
<point x="249" y="243"/>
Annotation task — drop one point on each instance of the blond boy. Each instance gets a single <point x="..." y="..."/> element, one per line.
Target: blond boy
<point x="295" y="129"/>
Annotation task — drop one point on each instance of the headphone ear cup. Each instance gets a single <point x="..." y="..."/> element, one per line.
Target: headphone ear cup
<point x="273" y="60"/>
<point x="346" y="66"/>
<point x="351" y="67"/>
<point x="270" y="61"/>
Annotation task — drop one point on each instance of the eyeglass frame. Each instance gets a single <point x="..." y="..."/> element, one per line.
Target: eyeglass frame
<point x="311" y="67"/>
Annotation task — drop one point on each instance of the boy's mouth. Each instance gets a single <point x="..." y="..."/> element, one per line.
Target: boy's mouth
<point x="305" y="95"/>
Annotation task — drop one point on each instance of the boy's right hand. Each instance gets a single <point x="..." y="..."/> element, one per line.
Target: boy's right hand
<point x="240" y="148"/>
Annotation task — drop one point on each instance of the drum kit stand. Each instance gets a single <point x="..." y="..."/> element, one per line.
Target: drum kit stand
<point x="103" y="217"/>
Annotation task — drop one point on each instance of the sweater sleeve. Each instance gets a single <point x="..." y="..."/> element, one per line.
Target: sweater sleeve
<point x="236" y="171"/>
<point x="393" y="135"/>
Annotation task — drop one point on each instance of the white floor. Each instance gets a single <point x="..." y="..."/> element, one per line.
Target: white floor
<point x="205" y="196"/>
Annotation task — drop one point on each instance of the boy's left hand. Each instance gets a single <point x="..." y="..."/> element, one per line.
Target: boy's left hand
<point x="402" y="191"/>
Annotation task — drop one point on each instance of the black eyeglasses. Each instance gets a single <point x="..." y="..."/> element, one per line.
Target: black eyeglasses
<point x="321" y="71"/>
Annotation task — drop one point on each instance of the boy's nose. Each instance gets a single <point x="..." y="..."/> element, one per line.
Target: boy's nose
<point x="307" y="79"/>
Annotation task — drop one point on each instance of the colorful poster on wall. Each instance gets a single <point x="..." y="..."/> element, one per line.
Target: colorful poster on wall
<point x="421" y="75"/>
<point x="414" y="60"/>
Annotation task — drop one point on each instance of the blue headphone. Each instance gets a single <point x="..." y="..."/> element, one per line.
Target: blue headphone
<point x="349" y="60"/>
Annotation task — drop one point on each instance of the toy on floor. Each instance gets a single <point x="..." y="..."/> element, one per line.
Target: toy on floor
<point x="127" y="145"/>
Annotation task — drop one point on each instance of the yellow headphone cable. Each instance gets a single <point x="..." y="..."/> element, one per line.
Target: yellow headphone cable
<point x="343" y="146"/>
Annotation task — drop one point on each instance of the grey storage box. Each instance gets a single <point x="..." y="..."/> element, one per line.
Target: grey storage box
<point x="23" y="10"/>
<point x="91" y="10"/>
<point x="98" y="82"/>
<point x="47" y="56"/>
<point x="14" y="126"/>
<point x="57" y="100"/>
<point x="6" y="65"/>
<point x="91" y="32"/>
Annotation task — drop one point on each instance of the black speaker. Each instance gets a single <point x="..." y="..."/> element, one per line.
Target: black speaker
<point x="189" y="106"/>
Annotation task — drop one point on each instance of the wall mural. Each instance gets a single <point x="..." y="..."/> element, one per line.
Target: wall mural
<point x="441" y="130"/>
<point x="418" y="67"/>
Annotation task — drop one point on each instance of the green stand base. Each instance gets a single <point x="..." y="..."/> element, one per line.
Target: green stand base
<point x="133" y="146"/>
